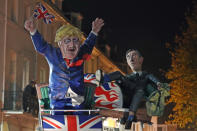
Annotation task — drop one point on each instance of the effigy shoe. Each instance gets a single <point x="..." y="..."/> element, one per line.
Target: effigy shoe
<point x="128" y="124"/>
<point x="129" y="121"/>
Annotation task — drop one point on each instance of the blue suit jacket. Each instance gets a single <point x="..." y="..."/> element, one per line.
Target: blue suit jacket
<point x="63" y="76"/>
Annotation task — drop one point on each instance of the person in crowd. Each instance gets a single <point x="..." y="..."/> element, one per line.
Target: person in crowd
<point x="30" y="101"/>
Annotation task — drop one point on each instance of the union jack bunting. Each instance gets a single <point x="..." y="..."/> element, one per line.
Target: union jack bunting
<point x="42" y="12"/>
<point x="72" y="123"/>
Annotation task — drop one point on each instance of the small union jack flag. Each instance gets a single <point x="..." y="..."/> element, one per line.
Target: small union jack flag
<point x="72" y="123"/>
<point x="42" y="12"/>
<point x="48" y="18"/>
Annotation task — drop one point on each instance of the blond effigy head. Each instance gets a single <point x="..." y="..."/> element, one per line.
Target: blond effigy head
<point x="68" y="31"/>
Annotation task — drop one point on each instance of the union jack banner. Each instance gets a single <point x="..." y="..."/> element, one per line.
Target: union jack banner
<point x="42" y="12"/>
<point x="108" y="95"/>
<point x="72" y="123"/>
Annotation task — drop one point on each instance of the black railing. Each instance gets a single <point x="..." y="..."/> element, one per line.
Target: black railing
<point x="15" y="101"/>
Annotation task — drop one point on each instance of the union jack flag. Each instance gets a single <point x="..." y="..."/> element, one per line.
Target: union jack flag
<point x="42" y="12"/>
<point x="72" y="123"/>
<point x="107" y="95"/>
<point x="49" y="19"/>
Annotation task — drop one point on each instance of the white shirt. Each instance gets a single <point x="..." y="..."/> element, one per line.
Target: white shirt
<point x="139" y="72"/>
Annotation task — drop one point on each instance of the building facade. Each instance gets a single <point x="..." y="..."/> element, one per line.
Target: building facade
<point x="19" y="62"/>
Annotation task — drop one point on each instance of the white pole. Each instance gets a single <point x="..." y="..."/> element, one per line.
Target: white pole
<point x="4" y="60"/>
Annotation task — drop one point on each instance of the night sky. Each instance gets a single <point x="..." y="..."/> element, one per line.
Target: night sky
<point x="143" y="24"/>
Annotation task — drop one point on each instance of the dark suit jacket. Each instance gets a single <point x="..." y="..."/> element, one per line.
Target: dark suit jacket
<point x="146" y="82"/>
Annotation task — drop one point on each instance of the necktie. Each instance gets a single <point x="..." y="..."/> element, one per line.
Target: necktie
<point x="137" y="76"/>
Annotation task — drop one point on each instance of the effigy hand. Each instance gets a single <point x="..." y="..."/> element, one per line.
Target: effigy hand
<point x="30" y="25"/>
<point x="97" y="24"/>
<point x="159" y="85"/>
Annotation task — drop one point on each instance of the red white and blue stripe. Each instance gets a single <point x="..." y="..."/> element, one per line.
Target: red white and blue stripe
<point x="107" y="95"/>
<point x="72" y="123"/>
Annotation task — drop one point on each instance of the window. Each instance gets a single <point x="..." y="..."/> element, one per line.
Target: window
<point x="53" y="1"/>
<point x="2" y="5"/>
<point x="25" y="73"/>
<point x="56" y="2"/>
<point x="59" y="4"/>
<point x="11" y="93"/>
<point x="76" y="19"/>
<point x="14" y="10"/>
<point x="27" y="12"/>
